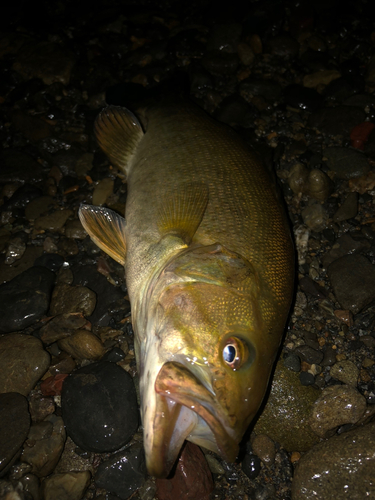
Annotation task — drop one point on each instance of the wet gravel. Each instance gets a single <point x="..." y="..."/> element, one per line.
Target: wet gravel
<point x="297" y="82"/>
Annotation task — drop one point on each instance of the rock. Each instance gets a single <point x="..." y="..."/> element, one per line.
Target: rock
<point x="31" y="484"/>
<point x="62" y="364"/>
<point x="74" y="229"/>
<point x="68" y="486"/>
<point x="31" y="127"/>
<point x="283" y="46"/>
<point x="19" y="167"/>
<point x="337" y="405"/>
<point x="264" y="448"/>
<point x="61" y="326"/>
<point x="72" y="299"/>
<point x="346" y="372"/>
<point x="52" y="386"/>
<point x="319" y="185"/>
<point x="106" y="417"/>
<point x="336" y="121"/>
<point x="224" y="37"/>
<point x="102" y="191"/>
<point x="38" y="207"/>
<point x="84" y="164"/>
<point x="40" y="406"/>
<point x="346" y="163"/>
<point x="123" y="473"/>
<point x="7" y="273"/>
<point x="253" y="86"/>
<point x="15" y="424"/>
<point x="220" y="63"/>
<point x="82" y="345"/>
<point x="43" y="449"/>
<point x="25" y="299"/>
<point x="23" y="362"/>
<point x="309" y="354"/>
<point x="360" y="134"/>
<point x="344" y="245"/>
<point x="301" y="97"/>
<point x="348" y="209"/>
<point x="51" y="261"/>
<point x="292" y="362"/>
<point x="251" y="465"/>
<point x="192" y="478"/>
<point x="352" y="278"/>
<point x="318" y="78"/>
<point x="22" y="197"/>
<point x="73" y="459"/>
<point x="287" y="411"/>
<point x="315" y="217"/>
<point x="55" y="221"/>
<point x="338" y="469"/>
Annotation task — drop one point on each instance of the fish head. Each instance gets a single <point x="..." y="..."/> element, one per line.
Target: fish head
<point x="204" y="364"/>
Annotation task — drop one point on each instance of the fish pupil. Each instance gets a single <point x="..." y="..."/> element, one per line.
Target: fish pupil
<point x="229" y="353"/>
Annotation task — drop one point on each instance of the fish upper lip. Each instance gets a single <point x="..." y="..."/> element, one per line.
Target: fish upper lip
<point x="179" y="390"/>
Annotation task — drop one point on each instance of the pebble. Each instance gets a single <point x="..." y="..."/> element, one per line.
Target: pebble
<point x="23" y="362"/>
<point x="192" y="478"/>
<point x="25" y="299"/>
<point x="44" y="446"/>
<point x="301" y="97"/>
<point x="346" y="372"/>
<point x="283" y="46"/>
<point x="292" y="362"/>
<point x="68" y="486"/>
<point x="51" y="261"/>
<point x="253" y="86"/>
<point x="309" y="354"/>
<point x="106" y="417"/>
<point x="339" y="120"/>
<point x="337" y="405"/>
<point x="338" y="469"/>
<point x="251" y="465"/>
<point x="286" y="414"/>
<point x="348" y="209"/>
<point x="344" y="245"/>
<point x="40" y="406"/>
<point x="306" y="378"/>
<point x="352" y="278"/>
<point x="22" y="197"/>
<point x="61" y="326"/>
<point x="14" y="428"/>
<point x="102" y="191"/>
<point x="55" y="221"/>
<point x="315" y="217"/>
<point x="123" y="473"/>
<point x="17" y="166"/>
<point x="31" y="484"/>
<point x="264" y="448"/>
<point x="82" y="345"/>
<point x="319" y="78"/>
<point x="39" y="206"/>
<point x="346" y="163"/>
<point x="72" y="299"/>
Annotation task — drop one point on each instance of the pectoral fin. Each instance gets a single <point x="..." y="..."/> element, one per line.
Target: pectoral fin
<point x="118" y="133"/>
<point x="183" y="211"/>
<point x="106" y="229"/>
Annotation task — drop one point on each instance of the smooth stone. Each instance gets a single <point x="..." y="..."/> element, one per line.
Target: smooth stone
<point x="39" y="206"/>
<point x="72" y="299"/>
<point x="286" y="414"/>
<point x="251" y="465"/>
<point x="32" y="127"/>
<point x="68" y="486"/>
<point x="348" y="209"/>
<point x="99" y="406"/>
<point x="292" y="362"/>
<point x="102" y="191"/>
<point x="337" y="405"/>
<point x="192" y="478"/>
<point x="74" y="229"/>
<point x="44" y="450"/>
<point x="301" y="97"/>
<point x="52" y="261"/>
<point x="82" y="345"/>
<point x="344" y="245"/>
<point x="306" y="378"/>
<point x="283" y="46"/>
<point x="54" y="221"/>
<point x="84" y="164"/>
<point x="23" y="362"/>
<point x="14" y="428"/>
<point x="61" y="326"/>
<point x="319" y="185"/>
<point x="345" y="371"/>
<point x="25" y="299"/>
<point x="346" y="163"/>
<point x="220" y="63"/>
<point x="252" y="86"/>
<point x="123" y="473"/>
<point x="21" y="197"/>
<point x="224" y="37"/>
<point x="338" y="469"/>
<point x="309" y="354"/>
<point x="31" y="484"/>
<point x="336" y="121"/>
<point x="264" y="448"/>
<point x="40" y="406"/>
<point x="7" y="273"/>
<point x="352" y="278"/>
<point x="19" y="167"/>
<point x="318" y="78"/>
<point x="315" y="217"/>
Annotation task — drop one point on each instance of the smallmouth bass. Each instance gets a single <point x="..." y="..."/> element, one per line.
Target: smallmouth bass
<point x="209" y="267"/>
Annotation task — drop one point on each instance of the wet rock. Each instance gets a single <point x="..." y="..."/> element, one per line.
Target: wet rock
<point x="224" y="37"/>
<point x="45" y="444"/>
<point x="301" y="97"/>
<point x="306" y="378"/>
<point x="55" y="221"/>
<point x="344" y="245"/>
<point x="23" y="362"/>
<point x="337" y="469"/>
<point x="251" y="465"/>
<point x="16" y="249"/>
<point x="63" y="363"/>
<point x="102" y="191"/>
<point x="352" y="278"/>
<point x="264" y="448"/>
<point x="319" y="78"/>
<point x="319" y="186"/>
<point x="82" y="345"/>
<point x="220" y="63"/>
<point x="360" y="134"/>
<point x="283" y="46"/>
<point x="68" y="486"/>
<point x="74" y="229"/>
<point x="15" y="424"/>
<point x="48" y="61"/>
<point x="287" y="412"/>
<point x="309" y="354"/>
<point x="346" y="163"/>
<point x="245" y="53"/>
<point x="61" y="326"/>
<point x="107" y="416"/>
<point x="25" y="299"/>
<point x="38" y="207"/>
<point x="329" y="357"/>
<point x="346" y="372"/>
<point x="72" y="299"/>
<point x="292" y="362"/>
<point x="8" y="273"/>
<point x="123" y="473"/>
<point x="336" y="121"/>
<point x="40" y="406"/>
<point x="32" y="127"/>
<point x="31" y="484"/>
<point x="192" y="478"/>
<point x="315" y="217"/>
<point x="337" y="405"/>
<point x="252" y="86"/>
<point x="21" y="197"/>
<point x="233" y="110"/>
<point x="308" y="285"/>
<point x="17" y="166"/>
<point x="348" y="209"/>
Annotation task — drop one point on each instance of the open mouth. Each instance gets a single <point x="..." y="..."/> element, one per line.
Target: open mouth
<point x="186" y="409"/>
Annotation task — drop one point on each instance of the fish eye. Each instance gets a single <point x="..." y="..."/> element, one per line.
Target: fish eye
<point x="235" y="353"/>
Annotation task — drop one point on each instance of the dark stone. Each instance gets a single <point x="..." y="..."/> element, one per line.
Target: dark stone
<point x="233" y="110"/>
<point x="307" y="378"/>
<point x="313" y="288"/>
<point x="251" y="465"/>
<point x="19" y="167"/>
<point x="346" y="163"/>
<point x="308" y="354"/>
<point x="15" y="424"/>
<point x="25" y="299"/>
<point x="22" y="197"/>
<point x="220" y="63"/>
<point x="337" y="121"/>
<point x="292" y="362"/>
<point x="342" y="88"/>
<point x="301" y="97"/>
<point x="114" y="355"/>
<point x="268" y="89"/>
<point x="283" y="46"/>
<point x="99" y="407"/>
<point x="51" y="261"/>
<point x="123" y="473"/>
<point x="352" y="278"/>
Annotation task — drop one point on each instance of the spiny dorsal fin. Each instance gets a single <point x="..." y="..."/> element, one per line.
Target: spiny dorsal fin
<point x="106" y="229"/>
<point x="118" y="133"/>
<point x="183" y="211"/>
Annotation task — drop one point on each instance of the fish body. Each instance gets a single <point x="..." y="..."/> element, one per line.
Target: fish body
<point x="209" y="265"/>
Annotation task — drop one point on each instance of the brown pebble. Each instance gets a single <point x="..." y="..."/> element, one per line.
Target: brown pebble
<point x="82" y="345"/>
<point x="264" y="447"/>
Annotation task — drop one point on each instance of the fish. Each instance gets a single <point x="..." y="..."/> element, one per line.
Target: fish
<point x="209" y="267"/>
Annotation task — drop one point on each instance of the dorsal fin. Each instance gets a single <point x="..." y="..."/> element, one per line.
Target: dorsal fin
<point x="118" y="133"/>
<point x="183" y="211"/>
<point x="106" y="228"/>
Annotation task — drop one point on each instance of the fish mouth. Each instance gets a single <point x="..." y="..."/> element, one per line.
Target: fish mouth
<point x="186" y="409"/>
